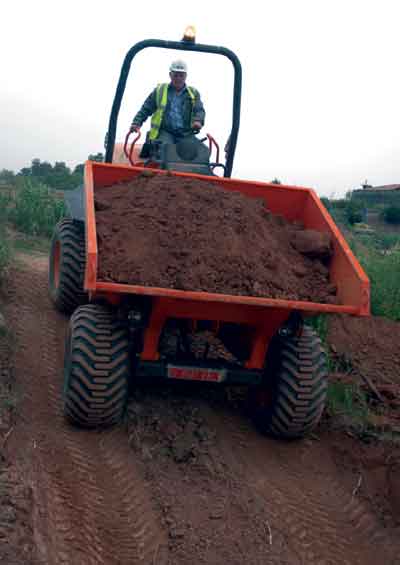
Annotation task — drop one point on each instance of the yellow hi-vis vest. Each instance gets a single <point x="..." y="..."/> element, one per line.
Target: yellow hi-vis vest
<point x="162" y="99"/>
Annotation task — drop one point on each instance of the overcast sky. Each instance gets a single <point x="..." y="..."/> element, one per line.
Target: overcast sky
<point x="321" y="86"/>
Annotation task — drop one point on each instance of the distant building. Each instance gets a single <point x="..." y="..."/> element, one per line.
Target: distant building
<point x="385" y="194"/>
<point x="382" y="188"/>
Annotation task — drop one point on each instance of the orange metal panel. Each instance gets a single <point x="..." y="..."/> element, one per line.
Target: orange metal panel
<point x="266" y="323"/>
<point x="263" y="337"/>
<point x="345" y="271"/>
<point x="91" y="238"/>
<point x="294" y="203"/>
<point x="213" y="299"/>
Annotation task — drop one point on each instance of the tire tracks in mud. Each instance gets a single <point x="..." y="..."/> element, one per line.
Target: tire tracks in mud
<point x="91" y="502"/>
<point x="244" y="499"/>
<point x="320" y="521"/>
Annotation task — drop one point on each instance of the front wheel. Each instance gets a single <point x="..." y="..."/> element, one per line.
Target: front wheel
<point x="290" y="402"/>
<point x="67" y="266"/>
<point x="96" y="367"/>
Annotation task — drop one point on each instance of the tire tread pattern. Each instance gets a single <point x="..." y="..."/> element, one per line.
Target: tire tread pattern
<point x="69" y="294"/>
<point x="96" y="371"/>
<point x="300" y="387"/>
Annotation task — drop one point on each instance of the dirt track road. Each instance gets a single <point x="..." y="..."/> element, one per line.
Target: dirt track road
<point x="186" y="480"/>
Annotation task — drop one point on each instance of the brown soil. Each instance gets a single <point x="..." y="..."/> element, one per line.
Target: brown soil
<point x="369" y="348"/>
<point x="228" y="495"/>
<point x="188" y="234"/>
<point x="187" y="479"/>
<point x="90" y="504"/>
<point x="16" y="537"/>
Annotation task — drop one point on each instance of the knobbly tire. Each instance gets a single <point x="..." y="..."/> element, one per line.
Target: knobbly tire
<point x="96" y="368"/>
<point x="292" y="399"/>
<point x="67" y="266"/>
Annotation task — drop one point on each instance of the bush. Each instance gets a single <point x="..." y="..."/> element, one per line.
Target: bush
<point x="383" y="271"/>
<point x="35" y="209"/>
<point x="340" y="203"/>
<point x="391" y="215"/>
<point x="326" y="202"/>
<point x="5" y="199"/>
<point x="385" y="241"/>
<point x="354" y="212"/>
<point x="5" y="251"/>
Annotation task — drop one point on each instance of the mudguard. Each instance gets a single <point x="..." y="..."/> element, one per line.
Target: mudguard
<point x="75" y="204"/>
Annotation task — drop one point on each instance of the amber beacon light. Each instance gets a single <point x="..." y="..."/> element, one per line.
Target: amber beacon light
<point x="190" y="34"/>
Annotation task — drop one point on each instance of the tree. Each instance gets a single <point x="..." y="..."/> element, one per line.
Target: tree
<point x="6" y="176"/>
<point x="79" y="169"/>
<point x="391" y="215"/>
<point x="61" y="168"/>
<point x="326" y="202"/>
<point x="25" y="172"/>
<point x="40" y="168"/>
<point x="98" y="157"/>
<point x="354" y="212"/>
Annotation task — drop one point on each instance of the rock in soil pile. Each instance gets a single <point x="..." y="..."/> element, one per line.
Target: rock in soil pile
<point x="188" y="234"/>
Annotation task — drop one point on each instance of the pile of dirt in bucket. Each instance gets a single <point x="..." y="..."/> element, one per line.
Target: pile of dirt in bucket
<point x="189" y="234"/>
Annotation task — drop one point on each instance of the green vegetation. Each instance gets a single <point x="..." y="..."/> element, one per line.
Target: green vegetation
<point x="30" y="243"/>
<point x="377" y="250"/>
<point x="391" y="214"/>
<point x="57" y="176"/>
<point x="348" y="400"/>
<point x="31" y="203"/>
<point x="354" y="212"/>
<point x="34" y="208"/>
<point x="383" y="271"/>
<point x="5" y="251"/>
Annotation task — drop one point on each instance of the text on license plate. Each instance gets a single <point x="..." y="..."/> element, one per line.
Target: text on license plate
<point x="196" y="374"/>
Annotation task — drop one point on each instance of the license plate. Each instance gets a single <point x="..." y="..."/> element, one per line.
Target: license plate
<point x="196" y="374"/>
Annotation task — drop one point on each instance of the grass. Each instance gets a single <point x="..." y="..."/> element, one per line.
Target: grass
<point x="320" y="325"/>
<point x="28" y="214"/>
<point x="380" y="257"/>
<point x="348" y="405"/>
<point x="31" y="244"/>
<point x="5" y="250"/>
<point x="347" y="399"/>
<point x="8" y="393"/>
<point x="34" y="209"/>
<point x="352" y="410"/>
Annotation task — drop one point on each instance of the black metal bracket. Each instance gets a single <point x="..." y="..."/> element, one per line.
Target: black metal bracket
<point x="293" y="325"/>
<point x="183" y="46"/>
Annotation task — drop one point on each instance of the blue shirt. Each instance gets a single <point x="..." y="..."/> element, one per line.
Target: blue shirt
<point x="175" y="113"/>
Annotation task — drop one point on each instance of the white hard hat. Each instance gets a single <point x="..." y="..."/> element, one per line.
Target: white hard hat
<point x="178" y="66"/>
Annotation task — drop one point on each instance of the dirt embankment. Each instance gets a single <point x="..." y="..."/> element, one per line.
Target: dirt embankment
<point x="369" y="349"/>
<point x="165" y="231"/>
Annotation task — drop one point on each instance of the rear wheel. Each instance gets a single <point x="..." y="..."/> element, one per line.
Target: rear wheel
<point x="291" y="401"/>
<point x="96" y="367"/>
<point x="67" y="266"/>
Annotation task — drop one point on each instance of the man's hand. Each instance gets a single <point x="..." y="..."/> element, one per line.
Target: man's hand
<point x="196" y="125"/>
<point x="134" y="128"/>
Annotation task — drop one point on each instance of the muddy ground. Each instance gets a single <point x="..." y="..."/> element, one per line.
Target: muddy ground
<point x="185" y="479"/>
